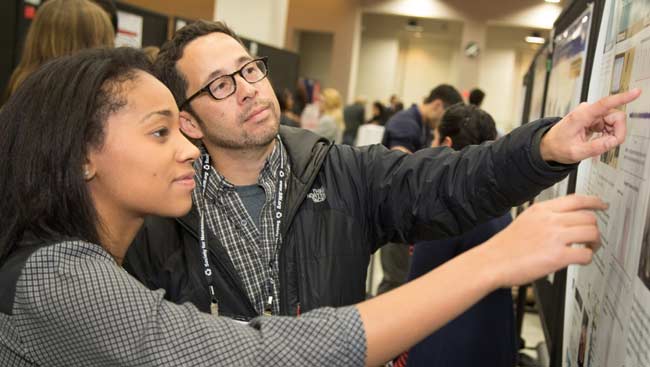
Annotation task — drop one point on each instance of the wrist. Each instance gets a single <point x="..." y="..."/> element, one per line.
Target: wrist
<point x="545" y="147"/>
<point x="489" y="266"/>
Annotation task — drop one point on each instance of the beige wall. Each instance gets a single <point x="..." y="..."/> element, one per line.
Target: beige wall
<point x="394" y="61"/>
<point x="427" y="64"/>
<point x="506" y="61"/>
<point x="316" y="56"/>
<point x="378" y="68"/>
<point x="339" y="17"/>
<point x="260" y="20"/>
<point x="192" y="9"/>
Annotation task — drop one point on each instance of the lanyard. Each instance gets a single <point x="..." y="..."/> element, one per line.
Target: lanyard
<point x="207" y="269"/>
<point x="277" y="216"/>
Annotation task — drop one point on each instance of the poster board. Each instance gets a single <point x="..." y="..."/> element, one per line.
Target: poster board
<point x="139" y="27"/>
<point x="606" y="304"/>
<point x="566" y="78"/>
<point x="574" y="40"/>
<point x="540" y="70"/>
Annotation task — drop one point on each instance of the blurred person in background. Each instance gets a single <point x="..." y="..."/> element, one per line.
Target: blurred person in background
<point x="412" y="129"/>
<point x="399" y="106"/>
<point x="111" y="9"/>
<point x="379" y="114"/>
<point x="487" y="329"/>
<point x="392" y="107"/>
<point x="476" y="97"/>
<point x="60" y="28"/>
<point x="354" y="115"/>
<point x="409" y="131"/>
<point x="285" y="100"/>
<point x="151" y="52"/>
<point x="330" y="124"/>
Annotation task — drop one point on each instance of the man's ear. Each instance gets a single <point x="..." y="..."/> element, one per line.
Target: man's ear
<point x="190" y="126"/>
<point x="448" y="142"/>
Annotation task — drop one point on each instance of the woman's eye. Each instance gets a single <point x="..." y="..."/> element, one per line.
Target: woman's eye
<point x="161" y="133"/>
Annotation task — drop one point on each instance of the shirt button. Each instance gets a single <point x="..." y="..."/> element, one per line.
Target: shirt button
<point x="243" y="222"/>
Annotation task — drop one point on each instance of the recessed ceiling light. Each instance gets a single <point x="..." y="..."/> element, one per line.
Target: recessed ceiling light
<point x="552" y="1"/>
<point x="535" y="40"/>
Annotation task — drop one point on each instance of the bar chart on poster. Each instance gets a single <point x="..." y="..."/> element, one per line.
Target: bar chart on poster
<point x="566" y="79"/>
<point x="607" y="304"/>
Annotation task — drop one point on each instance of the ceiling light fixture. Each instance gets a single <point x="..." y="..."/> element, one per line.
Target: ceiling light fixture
<point x="535" y="38"/>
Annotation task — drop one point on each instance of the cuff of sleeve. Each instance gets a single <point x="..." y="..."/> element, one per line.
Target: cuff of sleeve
<point x="537" y="161"/>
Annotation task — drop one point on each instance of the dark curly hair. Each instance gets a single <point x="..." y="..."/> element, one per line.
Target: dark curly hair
<point x="466" y="125"/>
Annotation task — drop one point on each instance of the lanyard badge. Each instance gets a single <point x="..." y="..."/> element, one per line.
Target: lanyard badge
<point x="279" y="201"/>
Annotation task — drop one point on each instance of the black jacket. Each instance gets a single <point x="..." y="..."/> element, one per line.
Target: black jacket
<point x="371" y="196"/>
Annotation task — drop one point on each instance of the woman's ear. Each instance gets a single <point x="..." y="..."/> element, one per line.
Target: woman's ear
<point x="190" y="126"/>
<point x="89" y="170"/>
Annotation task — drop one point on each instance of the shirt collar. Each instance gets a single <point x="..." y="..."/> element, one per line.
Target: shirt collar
<point x="216" y="182"/>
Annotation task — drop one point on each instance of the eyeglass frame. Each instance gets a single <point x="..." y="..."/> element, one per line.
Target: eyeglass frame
<point x="205" y="89"/>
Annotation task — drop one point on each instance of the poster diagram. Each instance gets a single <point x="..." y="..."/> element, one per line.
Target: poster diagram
<point x="129" y="30"/>
<point x="607" y="304"/>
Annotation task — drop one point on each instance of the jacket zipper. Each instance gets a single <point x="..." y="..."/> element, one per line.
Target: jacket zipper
<point x="284" y="277"/>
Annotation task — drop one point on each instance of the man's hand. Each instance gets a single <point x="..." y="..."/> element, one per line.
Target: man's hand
<point x="538" y="241"/>
<point x="569" y="141"/>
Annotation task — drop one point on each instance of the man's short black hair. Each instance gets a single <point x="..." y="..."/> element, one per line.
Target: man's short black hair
<point x="445" y="93"/>
<point x="172" y="51"/>
<point x="476" y="97"/>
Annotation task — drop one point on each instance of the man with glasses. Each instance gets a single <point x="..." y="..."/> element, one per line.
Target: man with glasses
<point x="283" y="221"/>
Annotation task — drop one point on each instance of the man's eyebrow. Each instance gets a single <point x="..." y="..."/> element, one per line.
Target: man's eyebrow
<point x="166" y="113"/>
<point x="218" y="72"/>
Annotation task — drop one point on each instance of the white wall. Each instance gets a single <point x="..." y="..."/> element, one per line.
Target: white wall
<point x="496" y="78"/>
<point x="427" y="64"/>
<point x="409" y="68"/>
<point x="377" y="72"/>
<point x="260" y="20"/>
<point x="503" y="66"/>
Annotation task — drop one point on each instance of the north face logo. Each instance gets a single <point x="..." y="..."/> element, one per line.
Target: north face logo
<point x="317" y="195"/>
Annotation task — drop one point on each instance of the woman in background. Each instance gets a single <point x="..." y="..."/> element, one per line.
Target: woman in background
<point x="485" y="334"/>
<point x="60" y="28"/>
<point x="378" y="114"/>
<point x="331" y="124"/>
<point x="285" y="100"/>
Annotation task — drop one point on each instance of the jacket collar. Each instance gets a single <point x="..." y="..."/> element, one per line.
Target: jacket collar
<point x="306" y="151"/>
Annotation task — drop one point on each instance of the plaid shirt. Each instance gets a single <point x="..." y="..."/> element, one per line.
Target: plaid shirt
<point x="253" y="251"/>
<point x="74" y="306"/>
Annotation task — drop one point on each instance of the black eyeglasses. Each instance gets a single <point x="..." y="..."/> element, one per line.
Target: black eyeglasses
<point x="224" y="86"/>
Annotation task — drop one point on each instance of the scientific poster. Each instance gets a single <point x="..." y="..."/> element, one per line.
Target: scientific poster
<point x="607" y="305"/>
<point x="566" y="80"/>
<point x="129" y="30"/>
